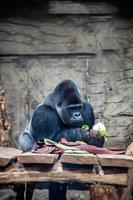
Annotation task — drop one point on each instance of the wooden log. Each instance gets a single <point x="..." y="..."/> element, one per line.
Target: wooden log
<point x="89" y="159"/>
<point x="7" y="154"/>
<point x="128" y="192"/>
<point x="29" y="157"/>
<point x="115" y="160"/>
<point x="103" y="192"/>
<point x="57" y="174"/>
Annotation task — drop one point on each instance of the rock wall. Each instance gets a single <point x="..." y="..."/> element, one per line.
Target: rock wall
<point x="94" y="49"/>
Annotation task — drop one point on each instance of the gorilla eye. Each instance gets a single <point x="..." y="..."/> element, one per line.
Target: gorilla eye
<point x="59" y="104"/>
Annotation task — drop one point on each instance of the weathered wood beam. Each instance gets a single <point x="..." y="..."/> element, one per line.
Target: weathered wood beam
<point x="58" y="174"/>
<point x="109" y="160"/>
<point x="79" y="159"/>
<point x="29" y="157"/>
<point x="71" y="7"/>
<point x="115" y="160"/>
<point x="8" y="153"/>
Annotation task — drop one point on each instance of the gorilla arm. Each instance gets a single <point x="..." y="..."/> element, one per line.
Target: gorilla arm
<point x="43" y="124"/>
<point x="90" y="137"/>
<point x="72" y="134"/>
<point x="26" y="141"/>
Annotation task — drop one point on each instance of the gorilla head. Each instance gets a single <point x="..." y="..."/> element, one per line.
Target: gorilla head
<point x="68" y="104"/>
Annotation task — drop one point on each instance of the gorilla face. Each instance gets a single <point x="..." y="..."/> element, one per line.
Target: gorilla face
<point x="71" y="114"/>
<point x="68" y="104"/>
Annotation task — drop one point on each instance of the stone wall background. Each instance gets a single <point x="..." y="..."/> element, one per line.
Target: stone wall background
<point x="89" y="44"/>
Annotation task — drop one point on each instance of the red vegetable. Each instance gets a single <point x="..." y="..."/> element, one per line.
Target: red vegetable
<point x="91" y="148"/>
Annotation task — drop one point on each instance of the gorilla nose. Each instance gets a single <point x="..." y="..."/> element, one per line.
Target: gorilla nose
<point x="77" y="115"/>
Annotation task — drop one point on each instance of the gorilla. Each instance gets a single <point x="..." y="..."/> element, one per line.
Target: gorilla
<point x="61" y="115"/>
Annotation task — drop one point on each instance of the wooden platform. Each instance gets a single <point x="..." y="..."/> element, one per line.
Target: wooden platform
<point x="57" y="170"/>
<point x="8" y="154"/>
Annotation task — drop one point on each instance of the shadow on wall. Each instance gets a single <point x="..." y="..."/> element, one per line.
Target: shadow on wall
<point x="40" y="7"/>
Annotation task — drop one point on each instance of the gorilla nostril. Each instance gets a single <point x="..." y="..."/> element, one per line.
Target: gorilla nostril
<point x="77" y="114"/>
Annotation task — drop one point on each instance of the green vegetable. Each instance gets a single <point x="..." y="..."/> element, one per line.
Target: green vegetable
<point x="62" y="146"/>
<point x="100" y="128"/>
<point x="104" y="134"/>
<point x="85" y="126"/>
<point x="76" y="152"/>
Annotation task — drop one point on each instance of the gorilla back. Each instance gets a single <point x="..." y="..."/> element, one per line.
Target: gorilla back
<point x="61" y="115"/>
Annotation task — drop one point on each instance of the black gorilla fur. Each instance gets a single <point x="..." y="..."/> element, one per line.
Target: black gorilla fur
<point x="61" y="115"/>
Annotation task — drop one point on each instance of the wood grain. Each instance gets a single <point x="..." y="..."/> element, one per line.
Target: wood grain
<point x="29" y="157"/>
<point x="8" y="153"/>
<point x="79" y="159"/>
<point x="115" y="160"/>
<point x="57" y="174"/>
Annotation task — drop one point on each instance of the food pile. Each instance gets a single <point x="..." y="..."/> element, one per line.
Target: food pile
<point x="46" y="146"/>
<point x="49" y="146"/>
<point x="78" y="147"/>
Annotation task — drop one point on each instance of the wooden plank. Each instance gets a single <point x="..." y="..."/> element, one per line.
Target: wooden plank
<point x="8" y="153"/>
<point x="58" y="174"/>
<point x="29" y="157"/>
<point x="115" y="160"/>
<point x="71" y="7"/>
<point x="89" y="159"/>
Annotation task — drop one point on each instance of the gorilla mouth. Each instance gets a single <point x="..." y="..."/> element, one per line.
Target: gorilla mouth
<point x="76" y="122"/>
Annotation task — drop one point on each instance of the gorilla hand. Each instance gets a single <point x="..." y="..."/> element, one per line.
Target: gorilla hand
<point x="94" y="138"/>
<point x="91" y="137"/>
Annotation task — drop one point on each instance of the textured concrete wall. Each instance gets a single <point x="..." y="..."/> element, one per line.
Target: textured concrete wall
<point x="96" y="51"/>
